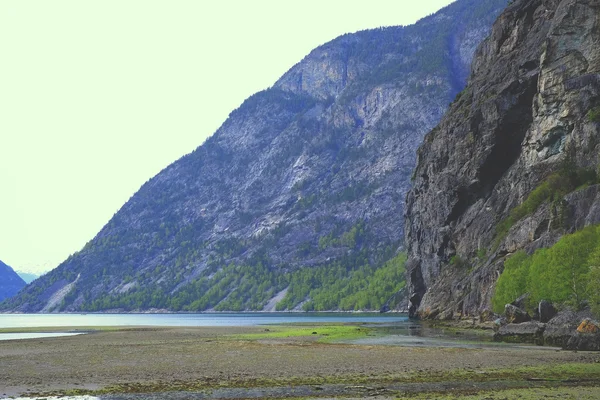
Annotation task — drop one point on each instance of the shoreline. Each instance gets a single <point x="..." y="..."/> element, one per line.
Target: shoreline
<point x="161" y="359"/>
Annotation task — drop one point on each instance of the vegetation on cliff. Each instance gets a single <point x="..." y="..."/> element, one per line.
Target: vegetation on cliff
<point x="566" y="273"/>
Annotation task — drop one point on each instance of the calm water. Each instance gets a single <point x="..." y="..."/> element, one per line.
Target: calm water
<point x="221" y="319"/>
<point x="15" y="336"/>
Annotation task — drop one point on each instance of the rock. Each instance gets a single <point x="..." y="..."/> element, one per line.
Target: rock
<point x="498" y="323"/>
<point x="560" y="328"/>
<point x="526" y="332"/>
<point x="521" y="302"/>
<point x="546" y="311"/>
<point x="533" y="83"/>
<point x="515" y="315"/>
<point x="588" y="326"/>
<point x="446" y="315"/>
<point x="488" y="316"/>
<point x="584" y="342"/>
<point x="536" y="315"/>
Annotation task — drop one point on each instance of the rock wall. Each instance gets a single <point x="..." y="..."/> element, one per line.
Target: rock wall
<point x="527" y="111"/>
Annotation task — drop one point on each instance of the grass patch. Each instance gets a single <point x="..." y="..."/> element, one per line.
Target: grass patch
<point x="325" y="333"/>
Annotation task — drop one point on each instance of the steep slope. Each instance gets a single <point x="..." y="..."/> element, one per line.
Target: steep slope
<point x="10" y="282"/>
<point x="513" y="164"/>
<point x="299" y="194"/>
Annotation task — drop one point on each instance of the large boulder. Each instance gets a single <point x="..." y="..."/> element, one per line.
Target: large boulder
<point x="564" y="325"/>
<point x="546" y="311"/>
<point x="526" y="332"/>
<point x="584" y="341"/>
<point x="515" y="315"/>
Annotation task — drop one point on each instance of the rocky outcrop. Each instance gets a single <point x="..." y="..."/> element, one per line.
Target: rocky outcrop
<point x="306" y="174"/>
<point x="526" y="332"/>
<point x="529" y="108"/>
<point x="10" y="282"/>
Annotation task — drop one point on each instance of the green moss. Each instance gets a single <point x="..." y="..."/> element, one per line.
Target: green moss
<point x="556" y="375"/>
<point x="459" y="263"/>
<point x="324" y="333"/>
<point x="593" y="115"/>
<point x="553" y="188"/>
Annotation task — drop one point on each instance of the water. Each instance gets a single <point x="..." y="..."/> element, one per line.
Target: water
<point x="37" y="335"/>
<point x="207" y="319"/>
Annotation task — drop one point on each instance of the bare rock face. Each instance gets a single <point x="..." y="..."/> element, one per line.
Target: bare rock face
<point x="527" y="110"/>
<point x="310" y="172"/>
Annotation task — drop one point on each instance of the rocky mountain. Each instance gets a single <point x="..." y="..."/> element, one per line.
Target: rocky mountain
<point x="10" y="282"/>
<point x="513" y="165"/>
<point x="297" y="199"/>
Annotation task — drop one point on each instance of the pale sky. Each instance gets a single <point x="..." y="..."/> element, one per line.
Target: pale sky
<point x="96" y="97"/>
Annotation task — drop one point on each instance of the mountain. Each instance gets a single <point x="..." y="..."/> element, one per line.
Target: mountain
<point x="512" y="168"/>
<point x="10" y="282"/>
<point x="28" y="277"/>
<point x="297" y="200"/>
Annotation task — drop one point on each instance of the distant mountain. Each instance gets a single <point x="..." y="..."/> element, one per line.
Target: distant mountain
<point x="297" y="200"/>
<point x="10" y="282"/>
<point x="28" y="277"/>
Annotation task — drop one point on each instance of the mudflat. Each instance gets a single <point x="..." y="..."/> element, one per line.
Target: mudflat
<point x="144" y="360"/>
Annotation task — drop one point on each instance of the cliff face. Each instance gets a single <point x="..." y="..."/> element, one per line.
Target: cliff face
<point x="530" y="111"/>
<point x="10" y="282"/>
<point x="309" y="173"/>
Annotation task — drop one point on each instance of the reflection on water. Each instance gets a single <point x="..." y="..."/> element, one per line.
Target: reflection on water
<point x="37" y="335"/>
<point x="207" y="319"/>
<point x="59" y="398"/>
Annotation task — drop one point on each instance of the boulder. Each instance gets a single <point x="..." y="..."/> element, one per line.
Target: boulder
<point x="515" y="315"/>
<point x="546" y="311"/>
<point x="521" y="302"/>
<point x="584" y="342"/>
<point x="560" y="328"/>
<point x="526" y="332"/>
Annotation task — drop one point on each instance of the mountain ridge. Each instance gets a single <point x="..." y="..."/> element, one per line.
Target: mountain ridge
<point x="10" y="282"/>
<point x="301" y="188"/>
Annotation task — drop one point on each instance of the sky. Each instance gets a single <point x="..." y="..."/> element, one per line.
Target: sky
<point x="96" y="97"/>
